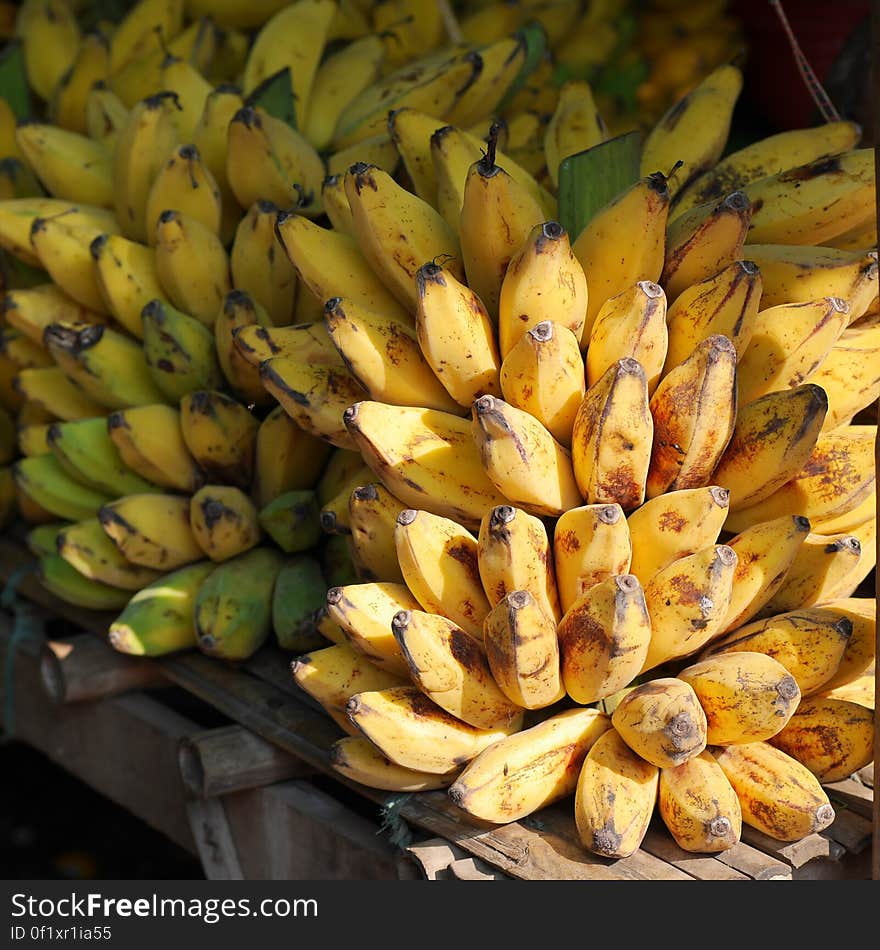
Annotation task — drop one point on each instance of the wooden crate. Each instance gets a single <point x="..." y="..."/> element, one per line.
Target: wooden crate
<point x="257" y="797"/>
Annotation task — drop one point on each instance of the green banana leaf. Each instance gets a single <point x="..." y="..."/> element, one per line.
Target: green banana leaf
<point x="275" y="94"/>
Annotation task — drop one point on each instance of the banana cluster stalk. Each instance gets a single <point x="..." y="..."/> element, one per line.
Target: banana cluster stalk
<point x="539" y="517"/>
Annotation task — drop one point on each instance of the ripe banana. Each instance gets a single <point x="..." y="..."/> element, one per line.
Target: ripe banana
<point x="55" y="393"/>
<point x="85" y="547"/>
<point x="127" y="278"/>
<point x="220" y="434"/>
<point x="357" y="759"/>
<point x="238" y="310"/>
<point x="859" y="653"/>
<point x="29" y="310"/>
<point x="224" y="521"/>
<point x="575" y="125"/>
<point x="151" y="529"/>
<point x="64" y="254"/>
<point x="849" y="373"/>
<point x="372" y="515"/>
<point x="185" y="185"/>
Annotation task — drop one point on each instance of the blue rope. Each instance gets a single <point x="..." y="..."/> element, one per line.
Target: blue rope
<point x="398" y="830"/>
<point x="27" y="625"/>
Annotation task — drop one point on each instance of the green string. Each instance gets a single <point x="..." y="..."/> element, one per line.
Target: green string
<point x="398" y="830"/>
<point x="26" y="625"/>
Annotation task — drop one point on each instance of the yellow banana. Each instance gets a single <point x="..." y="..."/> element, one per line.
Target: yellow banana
<point x="86" y="548"/>
<point x="127" y="278"/>
<point x="612" y="437"/>
<point x="832" y="737"/>
<point x="52" y="390"/>
<point x="808" y="642"/>
<point x="590" y="543"/>
<point x="530" y="769"/>
<point x="575" y="125"/>
<point x="522" y="459"/>
<point x="694" y="131"/>
<point x="778" y="795"/>
<point x="703" y="241"/>
<point x="372" y="515"/>
<point x="615" y="797"/>
<point x="849" y="373"/>
<point x="333" y="513"/>
<point x="364" y="611"/>
<point x="860" y="650"/>
<point x="788" y="343"/>
<point x="143" y="28"/>
<point x="308" y="342"/>
<point x="224" y="521"/>
<point x="50" y="37"/>
<point x="687" y="603"/>
<point x="149" y="440"/>
<point x="335" y="202"/>
<point x="663" y="721"/>
<point x="522" y="649"/>
<point x="408" y="28"/>
<point x="413" y="731"/>
<point x="357" y="759"/>
<point x="385" y="356"/>
<point x="105" y="114"/>
<point x="184" y="185"/>
<point x="151" y="529"/>
<point x="772" y="439"/>
<point x="67" y="107"/>
<point x="426" y="457"/>
<point x="455" y="335"/>
<point x="64" y="254"/>
<point x="221" y="435"/>
<point x="330" y="264"/>
<point x="29" y="310"/>
<point x="698" y="806"/>
<point x="438" y="560"/>
<point x="603" y="638"/>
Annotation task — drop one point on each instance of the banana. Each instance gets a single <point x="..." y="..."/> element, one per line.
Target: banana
<point x="179" y="352"/>
<point x="612" y="437"/>
<point x="498" y="216"/>
<point x="575" y="125"/>
<point x="522" y="649"/>
<point x="49" y="35"/>
<point x="767" y="552"/>
<point x="17" y="180"/>
<point x="514" y="554"/>
<point x="150" y="441"/>
<point x="86" y="451"/>
<point x="339" y="77"/>
<point x="143" y="28"/>
<point x="687" y="603"/>
<point x="381" y="211"/>
<point x="694" y="413"/>
<point x="85" y="546"/>
<point x="372" y="516"/>
<point x="663" y="721"/>
<point x="603" y="638"/>
<point x="438" y="560"/>
<point x="522" y="459"/>
<point x="151" y="529"/>
<point x="860" y="237"/>
<point x="726" y="303"/>
<point x="330" y="264"/>
<point x="849" y="374"/>
<point x="40" y="539"/>
<point x="184" y="186"/>
<point x="43" y="479"/>
<point x="266" y="159"/>
<point x="808" y="642"/>
<point x="32" y="440"/>
<point x="703" y="241"/>
<point x="853" y="516"/>
<point x="293" y="38"/>
<point x="694" y="131"/>
<point x="794" y="273"/>
<point x="631" y="323"/>
<point x="530" y="769"/>
<point x="615" y="796"/>
<point x="220" y="434"/>
<point x="607" y="255"/>
<point x="788" y="344"/>
<point x="30" y="510"/>
<point x="357" y="759"/>
<point x="233" y="605"/>
<point x="341" y="467"/>
<point x="860" y="691"/>
<point x="543" y="259"/>
<point x="143" y="146"/>
<point x="334" y="511"/>
<point x="411" y="131"/>
<point x="50" y="388"/>
<point x="860" y="650"/>
<point x="314" y="396"/>
<point x="385" y="356"/>
<point x="331" y="675"/>
<point x="837" y="475"/>
<point x="67" y="107"/>
<point x="335" y="203"/>
<point x="408" y="28"/>
<point x="224" y="521"/>
<point x="64" y="254"/>
<point x="672" y="525"/>
<point x="455" y="335"/>
<point x="178" y="73"/>
<point x="68" y="585"/>
<point x="69" y="165"/>
<point x="298" y="593"/>
<point x="127" y="278"/>
<point x="258" y="268"/>
<point x="698" y="805"/>
<point x="105" y="114"/>
<point x="832" y="737"/>
<point x="767" y="156"/>
<point x="364" y="611"/>
<point x="426" y="457"/>
<point x="451" y="668"/>
<point x="778" y="795"/>
<point x="413" y="731"/>
<point x="238" y="310"/>
<point x="293" y="520"/>
<point x="812" y="203"/>
<point x="29" y="310"/>
<point x="590" y="543"/>
<point x="746" y="696"/>
<point x="851" y="581"/>
<point x="377" y="150"/>
<point x="772" y="440"/>
<point x="823" y="562"/>
<point x="286" y="457"/>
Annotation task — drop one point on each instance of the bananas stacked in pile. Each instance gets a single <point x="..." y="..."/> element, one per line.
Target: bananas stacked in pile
<point x="546" y="500"/>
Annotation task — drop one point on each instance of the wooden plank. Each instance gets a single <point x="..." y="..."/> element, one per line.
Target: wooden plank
<point x="854" y="794"/>
<point x="795" y="853"/>
<point x="755" y="864"/>
<point x="213" y="837"/>
<point x="703" y="867"/>
<point x="230" y="759"/>
<point x="851" y="830"/>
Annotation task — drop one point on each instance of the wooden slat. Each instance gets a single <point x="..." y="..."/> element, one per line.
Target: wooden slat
<point x="755" y="864"/>
<point x="703" y="867"/>
<point x="214" y="840"/>
<point x="851" y="830"/>
<point x="796" y="853"/>
<point x="854" y="794"/>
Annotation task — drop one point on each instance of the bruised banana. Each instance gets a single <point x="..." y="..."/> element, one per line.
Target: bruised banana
<point x="239" y="310"/>
<point x="357" y="759"/>
<point x="151" y="529"/>
<point x="86" y="547"/>
<point x="372" y="516"/>
<point x="224" y="521"/>
<point x="220" y="434"/>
